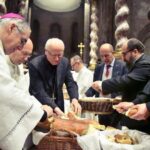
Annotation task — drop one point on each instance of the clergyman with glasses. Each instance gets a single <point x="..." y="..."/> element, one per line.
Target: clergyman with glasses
<point x="19" y="111"/>
<point x="131" y="83"/>
<point x="48" y="73"/>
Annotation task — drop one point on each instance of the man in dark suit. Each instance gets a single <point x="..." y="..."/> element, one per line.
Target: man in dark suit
<point x="132" y="82"/>
<point x="117" y="68"/>
<point x="102" y="72"/>
<point x="48" y="73"/>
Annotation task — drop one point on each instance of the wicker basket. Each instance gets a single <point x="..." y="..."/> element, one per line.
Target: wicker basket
<point x="54" y="142"/>
<point x="98" y="105"/>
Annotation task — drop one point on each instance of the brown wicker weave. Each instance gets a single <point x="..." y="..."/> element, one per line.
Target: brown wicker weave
<point x="98" y="105"/>
<point x="51" y="142"/>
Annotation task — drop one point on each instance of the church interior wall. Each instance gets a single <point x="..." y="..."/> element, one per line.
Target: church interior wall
<point x="71" y="24"/>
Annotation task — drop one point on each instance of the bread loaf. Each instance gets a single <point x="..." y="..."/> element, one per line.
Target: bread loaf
<point x="70" y="126"/>
<point x="131" y="112"/>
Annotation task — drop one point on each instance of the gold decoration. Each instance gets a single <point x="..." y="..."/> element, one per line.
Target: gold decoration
<point x="81" y="46"/>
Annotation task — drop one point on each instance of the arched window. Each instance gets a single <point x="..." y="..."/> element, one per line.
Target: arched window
<point x="55" y="30"/>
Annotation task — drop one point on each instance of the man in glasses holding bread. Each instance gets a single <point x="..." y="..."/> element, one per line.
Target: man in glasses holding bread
<point x="131" y="83"/>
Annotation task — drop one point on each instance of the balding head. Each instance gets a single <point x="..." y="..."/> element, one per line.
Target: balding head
<point x="54" y="50"/>
<point x="106" y="47"/>
<point x="21" y="56"/>
<point x="106" y="53"/>
<point x="28" y="46"/>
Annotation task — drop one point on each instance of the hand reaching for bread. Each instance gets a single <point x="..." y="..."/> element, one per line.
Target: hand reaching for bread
<point x="97" y="86"/>
<point x="131" y="111"/>
<point x="75" y="106"/>
<point x="123" y="107"/>
<point x="138" y="112"/>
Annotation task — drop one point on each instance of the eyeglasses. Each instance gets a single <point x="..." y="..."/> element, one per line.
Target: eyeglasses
<point x="125" y="53"/>
<point x="22" y="40"/>
<point x="55" y="55"/>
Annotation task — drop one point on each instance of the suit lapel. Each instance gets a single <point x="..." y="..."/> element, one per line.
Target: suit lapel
<point x="46" y="75"/>
<point x="100" y="74"/>
<point x="116" y="69"/>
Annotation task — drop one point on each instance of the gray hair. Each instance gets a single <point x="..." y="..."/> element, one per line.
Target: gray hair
<point x="54" y="42"/>
<point x="77" y="58"/>
<point x="21" y="24"/>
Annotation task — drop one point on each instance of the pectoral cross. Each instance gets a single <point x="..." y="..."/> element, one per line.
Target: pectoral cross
<point x="81" y="46"/>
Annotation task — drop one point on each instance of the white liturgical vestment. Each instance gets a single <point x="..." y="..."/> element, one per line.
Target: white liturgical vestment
<point x="19" y="112"/>
<point x="84" y="80"/>
<point x="17" y="73"/>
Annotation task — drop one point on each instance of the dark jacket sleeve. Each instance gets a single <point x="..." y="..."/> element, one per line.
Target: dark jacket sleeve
<point x="148" y="106"/>
<point x="37" y="88"/>
<point x="91" y="92"/>
<point x="143" y="96"/>
<point x="131" y="79"/>
<point x="71" y="85"/>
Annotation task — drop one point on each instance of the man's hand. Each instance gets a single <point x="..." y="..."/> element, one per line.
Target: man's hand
<point x="48" y="110"/>
<point x="76" y="107"/>
<point x="97" y="86"/>
<point x="123" y="106"/>
<point x="142" y="112"/>
<point x="58" y="111"/>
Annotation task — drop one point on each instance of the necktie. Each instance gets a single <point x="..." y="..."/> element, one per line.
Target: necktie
<point x="107" y="70"/>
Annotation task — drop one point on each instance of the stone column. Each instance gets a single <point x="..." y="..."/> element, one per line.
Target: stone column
<point x="86" y="31"/>
<point x="121" y="22"/>
<point x="93" y="36"/>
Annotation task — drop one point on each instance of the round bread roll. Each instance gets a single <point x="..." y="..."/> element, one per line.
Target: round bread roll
<point x="131" y="112"/>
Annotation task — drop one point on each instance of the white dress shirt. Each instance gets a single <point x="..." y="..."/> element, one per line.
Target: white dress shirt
<point x="108" y="77"/>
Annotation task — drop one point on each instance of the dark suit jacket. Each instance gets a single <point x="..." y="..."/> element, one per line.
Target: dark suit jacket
<point x="119" y="69"/>
<point x="42" y="88"/>
<point x="130" y="84"/>
<point x="144" y="96"/>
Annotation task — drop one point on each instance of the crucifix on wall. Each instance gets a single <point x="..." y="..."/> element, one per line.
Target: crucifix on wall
<point x="81" y="47"/>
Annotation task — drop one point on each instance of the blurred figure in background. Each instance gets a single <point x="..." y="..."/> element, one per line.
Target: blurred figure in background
<point x="84" y="77"/>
